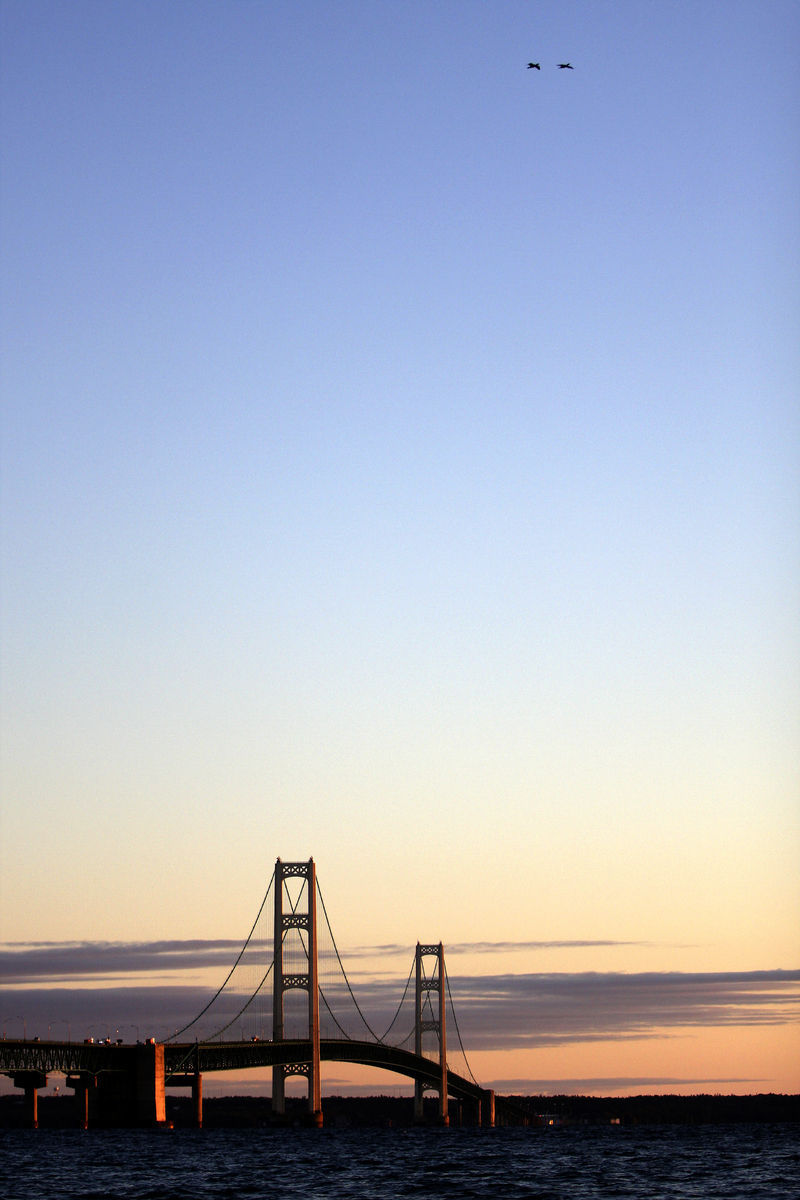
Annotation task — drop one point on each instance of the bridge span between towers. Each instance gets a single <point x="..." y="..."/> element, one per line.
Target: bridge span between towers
<point x="129" y="1081"/>
<point x="236" y="1056"/>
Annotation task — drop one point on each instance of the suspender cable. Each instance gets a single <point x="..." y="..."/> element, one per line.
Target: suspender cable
<point x="203" y="1011"/>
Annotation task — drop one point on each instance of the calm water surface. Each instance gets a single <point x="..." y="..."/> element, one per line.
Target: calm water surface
<point x="738" y="1162"/>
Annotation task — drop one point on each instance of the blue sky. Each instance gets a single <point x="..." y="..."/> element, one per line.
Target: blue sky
<point x="400" y="464"/>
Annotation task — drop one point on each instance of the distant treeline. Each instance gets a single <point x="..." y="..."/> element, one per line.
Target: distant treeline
<point x="387" y="1111"/>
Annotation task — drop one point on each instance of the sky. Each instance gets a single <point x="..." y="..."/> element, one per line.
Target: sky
<point x="400" y="461"/>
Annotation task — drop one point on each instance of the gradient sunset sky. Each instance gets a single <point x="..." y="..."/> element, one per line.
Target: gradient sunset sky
<point x="400" y="466"/>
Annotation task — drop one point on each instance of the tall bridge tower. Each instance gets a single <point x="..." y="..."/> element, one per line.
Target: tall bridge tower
<point x="436" y="982"/>
<point x="292" y="950"/>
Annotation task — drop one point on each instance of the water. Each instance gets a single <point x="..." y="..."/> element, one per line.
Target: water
<point x="737" y="1162"/>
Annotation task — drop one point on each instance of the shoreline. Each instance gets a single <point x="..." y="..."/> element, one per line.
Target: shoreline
<point x="342" y="1112"/>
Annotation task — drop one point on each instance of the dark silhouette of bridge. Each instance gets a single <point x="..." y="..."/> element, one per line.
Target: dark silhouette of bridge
<point x="126" y="1084"/>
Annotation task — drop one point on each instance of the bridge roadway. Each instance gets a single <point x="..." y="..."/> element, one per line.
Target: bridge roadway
<point x="235" y="1056"/>
<point x="182" y="1060"/>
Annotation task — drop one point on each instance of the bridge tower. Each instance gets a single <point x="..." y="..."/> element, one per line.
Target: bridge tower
<point x="291" y="923"/>
<point x="436" y="982"/>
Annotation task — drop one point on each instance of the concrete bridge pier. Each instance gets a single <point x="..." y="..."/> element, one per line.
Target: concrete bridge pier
<point x="197" y="1089"/>
<point x="82" y="1085"/>
<point x="487" y="1109"/>
<point x="151" y="1105"/>
<point x="197" y="1099"/>
<point x="193" y="1081"/>
<point x="126" y="1098"/>
<point x="442" y="1116"/>
<point x="31" y="1081"/>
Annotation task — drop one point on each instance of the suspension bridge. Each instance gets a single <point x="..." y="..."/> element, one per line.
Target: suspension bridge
<point x="289" y="999"/>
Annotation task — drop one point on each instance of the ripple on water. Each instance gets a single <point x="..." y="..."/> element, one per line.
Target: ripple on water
<point x="668" y="1163"/>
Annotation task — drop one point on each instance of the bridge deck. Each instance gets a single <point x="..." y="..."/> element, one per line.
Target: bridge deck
<point x="184" y="1058"/>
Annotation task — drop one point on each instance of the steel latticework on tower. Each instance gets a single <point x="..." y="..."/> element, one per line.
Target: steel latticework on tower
<point x="292" y="924"/>
<point x="427" y="1019"/>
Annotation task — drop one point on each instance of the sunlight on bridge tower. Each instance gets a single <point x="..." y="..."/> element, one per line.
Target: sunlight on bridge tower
<point x="295" y="967"/>
<point x="428" y="1019"/>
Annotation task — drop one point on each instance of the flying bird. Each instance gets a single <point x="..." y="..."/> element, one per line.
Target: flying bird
<point x="566" y="67"/>
<point x="536" y="66"/>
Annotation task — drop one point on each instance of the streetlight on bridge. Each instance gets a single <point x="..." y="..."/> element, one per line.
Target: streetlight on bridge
<point x="130" y="1025"/>
<point x="24" y="1027"/>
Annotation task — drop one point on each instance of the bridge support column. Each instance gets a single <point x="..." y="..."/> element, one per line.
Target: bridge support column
<point x="197" y="1089"/>
<point x="82" y="1085"/>
<point x="82" y="1098"/>
<point x="32" y="1100"/>
<point x="197" y="1099"/>
<point x="487" y="1109"/>
<point x="287" y="928"/>
<point x="31" y="1081"/>
<point x="426" y="1019"/>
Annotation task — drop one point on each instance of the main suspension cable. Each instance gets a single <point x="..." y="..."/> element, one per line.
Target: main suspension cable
<point x="341" y="968"/>
<point x="458" y="1031"/>
<point x="245" y="1006"/>
<point x="216" y="995"/>
<point x="322" y="995"/>
<point x="334" y="1018"/>
<point x="400" y="1005"/>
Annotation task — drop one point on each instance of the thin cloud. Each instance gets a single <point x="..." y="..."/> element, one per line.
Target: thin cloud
<point x="513" y="947"/>
<point x="516" y="1011"/>
<point x="61" y="961"/>
<point x="453" y="948"/>
<point x="74" y="1013"/>
<point x="535" y="1010"/>
<point x="29" y="962"/>
<point x="495" y="1012"/>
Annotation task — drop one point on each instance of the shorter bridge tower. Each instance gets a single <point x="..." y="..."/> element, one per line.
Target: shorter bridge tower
<point x="435" y="982"/>
<point x="289" y="928"/>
